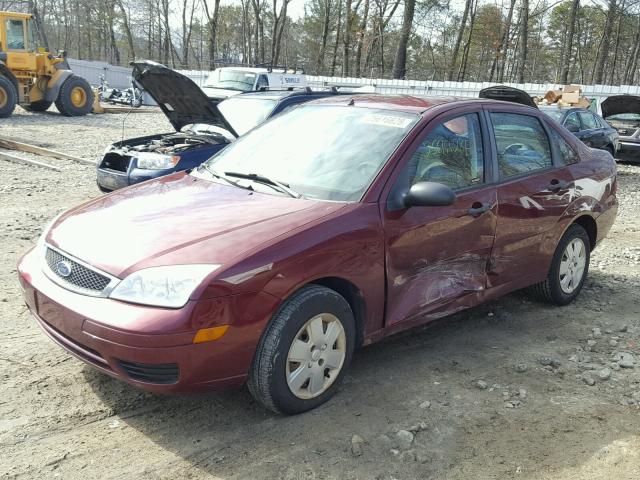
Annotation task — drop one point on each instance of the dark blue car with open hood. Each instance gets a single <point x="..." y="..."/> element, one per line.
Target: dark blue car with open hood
<point x="202" y="126"/>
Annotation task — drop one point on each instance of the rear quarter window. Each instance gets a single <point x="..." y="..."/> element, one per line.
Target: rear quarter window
<point x="567" y="155"/>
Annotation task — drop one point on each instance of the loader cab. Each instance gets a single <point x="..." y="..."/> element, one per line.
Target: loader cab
<point x="17" y="41"/>
<point x="17" y="33"/>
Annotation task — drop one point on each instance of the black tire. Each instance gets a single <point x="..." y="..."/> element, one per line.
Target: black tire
<point x="267" y="377"/>
<point x="64" y="102"/>
<point x="551" y="290"/>
<point x="8" y="97"/>
<point x="40" y="106"/>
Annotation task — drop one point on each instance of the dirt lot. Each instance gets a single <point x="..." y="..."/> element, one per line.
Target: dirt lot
<point x="513" y="389"/>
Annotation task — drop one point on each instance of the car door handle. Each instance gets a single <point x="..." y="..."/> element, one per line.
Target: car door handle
<point x="478" y="209"/>
<point x="557" y="185"/>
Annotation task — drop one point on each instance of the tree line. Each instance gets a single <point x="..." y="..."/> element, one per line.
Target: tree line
<point x="580" y="41"/>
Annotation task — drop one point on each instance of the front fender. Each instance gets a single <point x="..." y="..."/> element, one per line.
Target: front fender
<point x="55" y="82"/>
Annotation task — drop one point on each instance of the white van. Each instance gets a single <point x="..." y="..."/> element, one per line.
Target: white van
<point x="228" y="81"/>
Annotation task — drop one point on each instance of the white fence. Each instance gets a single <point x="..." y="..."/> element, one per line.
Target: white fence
<point x="120" y="77"/>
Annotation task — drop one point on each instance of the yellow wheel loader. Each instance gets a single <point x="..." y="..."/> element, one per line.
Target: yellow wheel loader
<point x="34" y="78"/>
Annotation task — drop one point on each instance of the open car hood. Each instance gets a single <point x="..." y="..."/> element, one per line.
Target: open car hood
<point x="181" y="100"/>
<point x="618" y="104"/>
<point x="507" y="94"/>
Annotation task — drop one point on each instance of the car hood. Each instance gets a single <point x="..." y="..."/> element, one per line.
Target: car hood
<point x="179" y="98"/>
<point x="507" y="94"/>
<point x="178" y="219"/>
<point x="620" y="104"/>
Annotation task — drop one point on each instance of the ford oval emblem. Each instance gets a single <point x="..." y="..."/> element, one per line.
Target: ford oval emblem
<point x="63" y="268"/>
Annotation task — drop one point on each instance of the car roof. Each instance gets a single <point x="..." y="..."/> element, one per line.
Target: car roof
<point x="280" y="94"/>
<point x="403" y="103"/>
<point x="563" y="109"/>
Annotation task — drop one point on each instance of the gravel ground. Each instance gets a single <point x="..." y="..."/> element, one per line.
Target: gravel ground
<point x="511" y="389"/>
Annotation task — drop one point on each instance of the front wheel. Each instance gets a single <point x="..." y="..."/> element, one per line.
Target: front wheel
<point x="8" y="97"/>
<point x="569" y="268"/>
<point x="75" y="97"/>
<point x="304" y="352"/>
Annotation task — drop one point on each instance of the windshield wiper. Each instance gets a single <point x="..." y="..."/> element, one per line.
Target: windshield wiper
<point x="283" y="187"/>
<point x="223" y="177"/>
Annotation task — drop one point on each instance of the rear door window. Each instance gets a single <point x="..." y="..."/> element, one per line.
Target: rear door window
<point x="522" y="144"/>
<point x="589" y="122"/>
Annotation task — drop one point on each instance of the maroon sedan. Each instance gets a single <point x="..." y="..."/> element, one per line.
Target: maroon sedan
<point x="327" y="228"/>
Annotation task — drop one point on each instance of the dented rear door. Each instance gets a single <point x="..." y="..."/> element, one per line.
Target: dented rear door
<point x="435" y="256"/>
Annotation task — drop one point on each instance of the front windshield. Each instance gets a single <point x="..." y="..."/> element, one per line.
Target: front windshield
<point x="238" y="80"/>
<point x="625" y="116"/>
<point x="322" y="152"/>
<point x="245" y="113"/>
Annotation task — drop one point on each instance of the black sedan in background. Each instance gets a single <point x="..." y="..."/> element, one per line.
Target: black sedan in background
<point x="590" y="128"/>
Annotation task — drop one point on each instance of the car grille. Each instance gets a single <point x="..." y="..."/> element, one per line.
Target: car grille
<point x="150" y="373"/>
<point x="80" y="277"/>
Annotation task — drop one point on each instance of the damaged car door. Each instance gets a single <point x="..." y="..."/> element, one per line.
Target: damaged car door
<point x="436" y="256"/>
<point x="534" y="192"/>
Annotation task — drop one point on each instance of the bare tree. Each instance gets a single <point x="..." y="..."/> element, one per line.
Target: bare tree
<point x="400" y="62"/>
<point x="603" y="53"/>
<point x="524" y="41"/>
<point x="326" y="6"/>
<point x="568" y="51"/>
<point x="212" y="21"/>
<point x="456" y="48"/>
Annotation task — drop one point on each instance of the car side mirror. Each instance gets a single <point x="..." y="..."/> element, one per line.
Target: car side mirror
<point x="429" y="194"/>
<point x="573" y="128"/>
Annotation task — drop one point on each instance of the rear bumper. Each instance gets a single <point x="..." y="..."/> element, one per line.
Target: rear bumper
<point x="141" y="354"/>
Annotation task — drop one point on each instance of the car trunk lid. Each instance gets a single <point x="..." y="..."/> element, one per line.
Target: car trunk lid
<point x="507" y="94"/>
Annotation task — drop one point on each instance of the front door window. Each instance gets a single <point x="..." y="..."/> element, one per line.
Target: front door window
<point x="15" y="34"/>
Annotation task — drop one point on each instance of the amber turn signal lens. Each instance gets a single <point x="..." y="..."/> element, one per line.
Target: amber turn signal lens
<point x="210" y="334"/>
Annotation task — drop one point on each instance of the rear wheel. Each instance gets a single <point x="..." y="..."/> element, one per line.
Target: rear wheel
<point x="40" y="106"/>
<point x="569" y="268"/>
<point x="304" y="351"/>
<point x="75" y="97"/>
<point x="8" y="97"/>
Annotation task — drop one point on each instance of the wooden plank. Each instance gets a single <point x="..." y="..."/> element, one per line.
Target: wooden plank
<point x="24" y="161"/>
<point x="46" y="152"/>
<point x="106" y="109"/>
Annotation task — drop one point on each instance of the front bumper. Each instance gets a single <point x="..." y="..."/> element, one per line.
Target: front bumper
<point x="628" y="148"/>
<point x="149" y="347"/>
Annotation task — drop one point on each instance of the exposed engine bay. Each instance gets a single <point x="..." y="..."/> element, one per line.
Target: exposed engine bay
<point x="177" y="142"/>
<point x="626" y="126"/>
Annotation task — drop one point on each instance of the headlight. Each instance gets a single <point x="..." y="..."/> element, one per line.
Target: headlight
<point x="167" y="286"/>
<point x="156" y="161"/>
